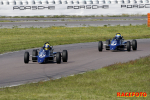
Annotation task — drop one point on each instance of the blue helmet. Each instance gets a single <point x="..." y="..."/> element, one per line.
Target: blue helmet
<point x="118" y="35"/>
<point x="47" y="46"/>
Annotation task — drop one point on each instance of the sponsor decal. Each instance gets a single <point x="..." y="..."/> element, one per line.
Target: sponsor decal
<point x="88" y="7"/>
<point x="33" y="7"/>
<point x="53" y="7"/>
<point x="136" y="6"/>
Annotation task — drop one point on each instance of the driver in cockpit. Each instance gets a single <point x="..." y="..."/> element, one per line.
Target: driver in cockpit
<point x="47" y="46"/>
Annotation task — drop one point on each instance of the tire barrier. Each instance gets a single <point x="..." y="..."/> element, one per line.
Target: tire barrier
<point x="36" y="2"/>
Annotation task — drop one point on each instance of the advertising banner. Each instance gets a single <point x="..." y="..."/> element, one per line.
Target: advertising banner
<point x="73" y="9"/>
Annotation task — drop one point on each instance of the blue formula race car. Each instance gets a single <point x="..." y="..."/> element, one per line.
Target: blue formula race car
<point x="46" y="55"/>
<point x="117" y="43"/>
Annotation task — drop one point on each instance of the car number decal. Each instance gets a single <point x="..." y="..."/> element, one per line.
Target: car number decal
<point x="43" y="54"/>
<point x="114" y="43"/>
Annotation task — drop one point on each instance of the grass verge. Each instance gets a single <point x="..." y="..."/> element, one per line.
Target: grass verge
<point x="70" y="20"/>
<point x="101" y="84"/>
<point x="24" y="38"/>
<point x="75" y="16"/>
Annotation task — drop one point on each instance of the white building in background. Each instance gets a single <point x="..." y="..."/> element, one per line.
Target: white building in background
<point x="73" y="7"/>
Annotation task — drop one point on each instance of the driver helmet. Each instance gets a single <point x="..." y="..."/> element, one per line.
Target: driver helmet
<point x="118" y="35"/>
<point x="47" y="46"/>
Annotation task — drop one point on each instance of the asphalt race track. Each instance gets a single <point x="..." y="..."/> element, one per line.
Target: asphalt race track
<point x="70" y="24"/>
<point x="79" y="18"/>
<point x="82" y="57"/>
<point x="48" y="22"/>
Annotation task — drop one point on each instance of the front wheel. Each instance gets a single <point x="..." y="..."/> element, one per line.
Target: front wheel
<point x="100" y="46"/>
<point x="65" y="55"/>
<point x="134" y="44"/>
<point x="58" y="57"/>
<point x="26" y="57"/>
<point x="128" y="46"/>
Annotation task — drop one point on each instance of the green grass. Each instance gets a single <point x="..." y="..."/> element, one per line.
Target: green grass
<point x="7" y="21"/>
<point x="70" y="20"/>
<point x="75" y="16"/>
<point x="24" y="38"/>
<point x="101" y="84"/>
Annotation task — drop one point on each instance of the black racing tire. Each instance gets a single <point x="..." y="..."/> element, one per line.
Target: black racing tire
<point x="58" y="57"/>
<point x="100" y="46"/>
<point x="107" y="43"/>
<point x="128" y="46"/>
<point x="34" y="53"/>
<point x="65" y="55"/>
<point x="26" y="57"/>
<point x="134" y="44"/>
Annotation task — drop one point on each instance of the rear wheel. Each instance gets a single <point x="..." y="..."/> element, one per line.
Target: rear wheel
<point x="107" y="43"/>
<point x="58" y="57"/>
<point x="26" y="57"/>
<point x="100" y="46"/>
<point x="34" y="53"/>
<point x="65" y="55"/>
<point x="134" y="44"/>
<point x="128" y="46"/>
